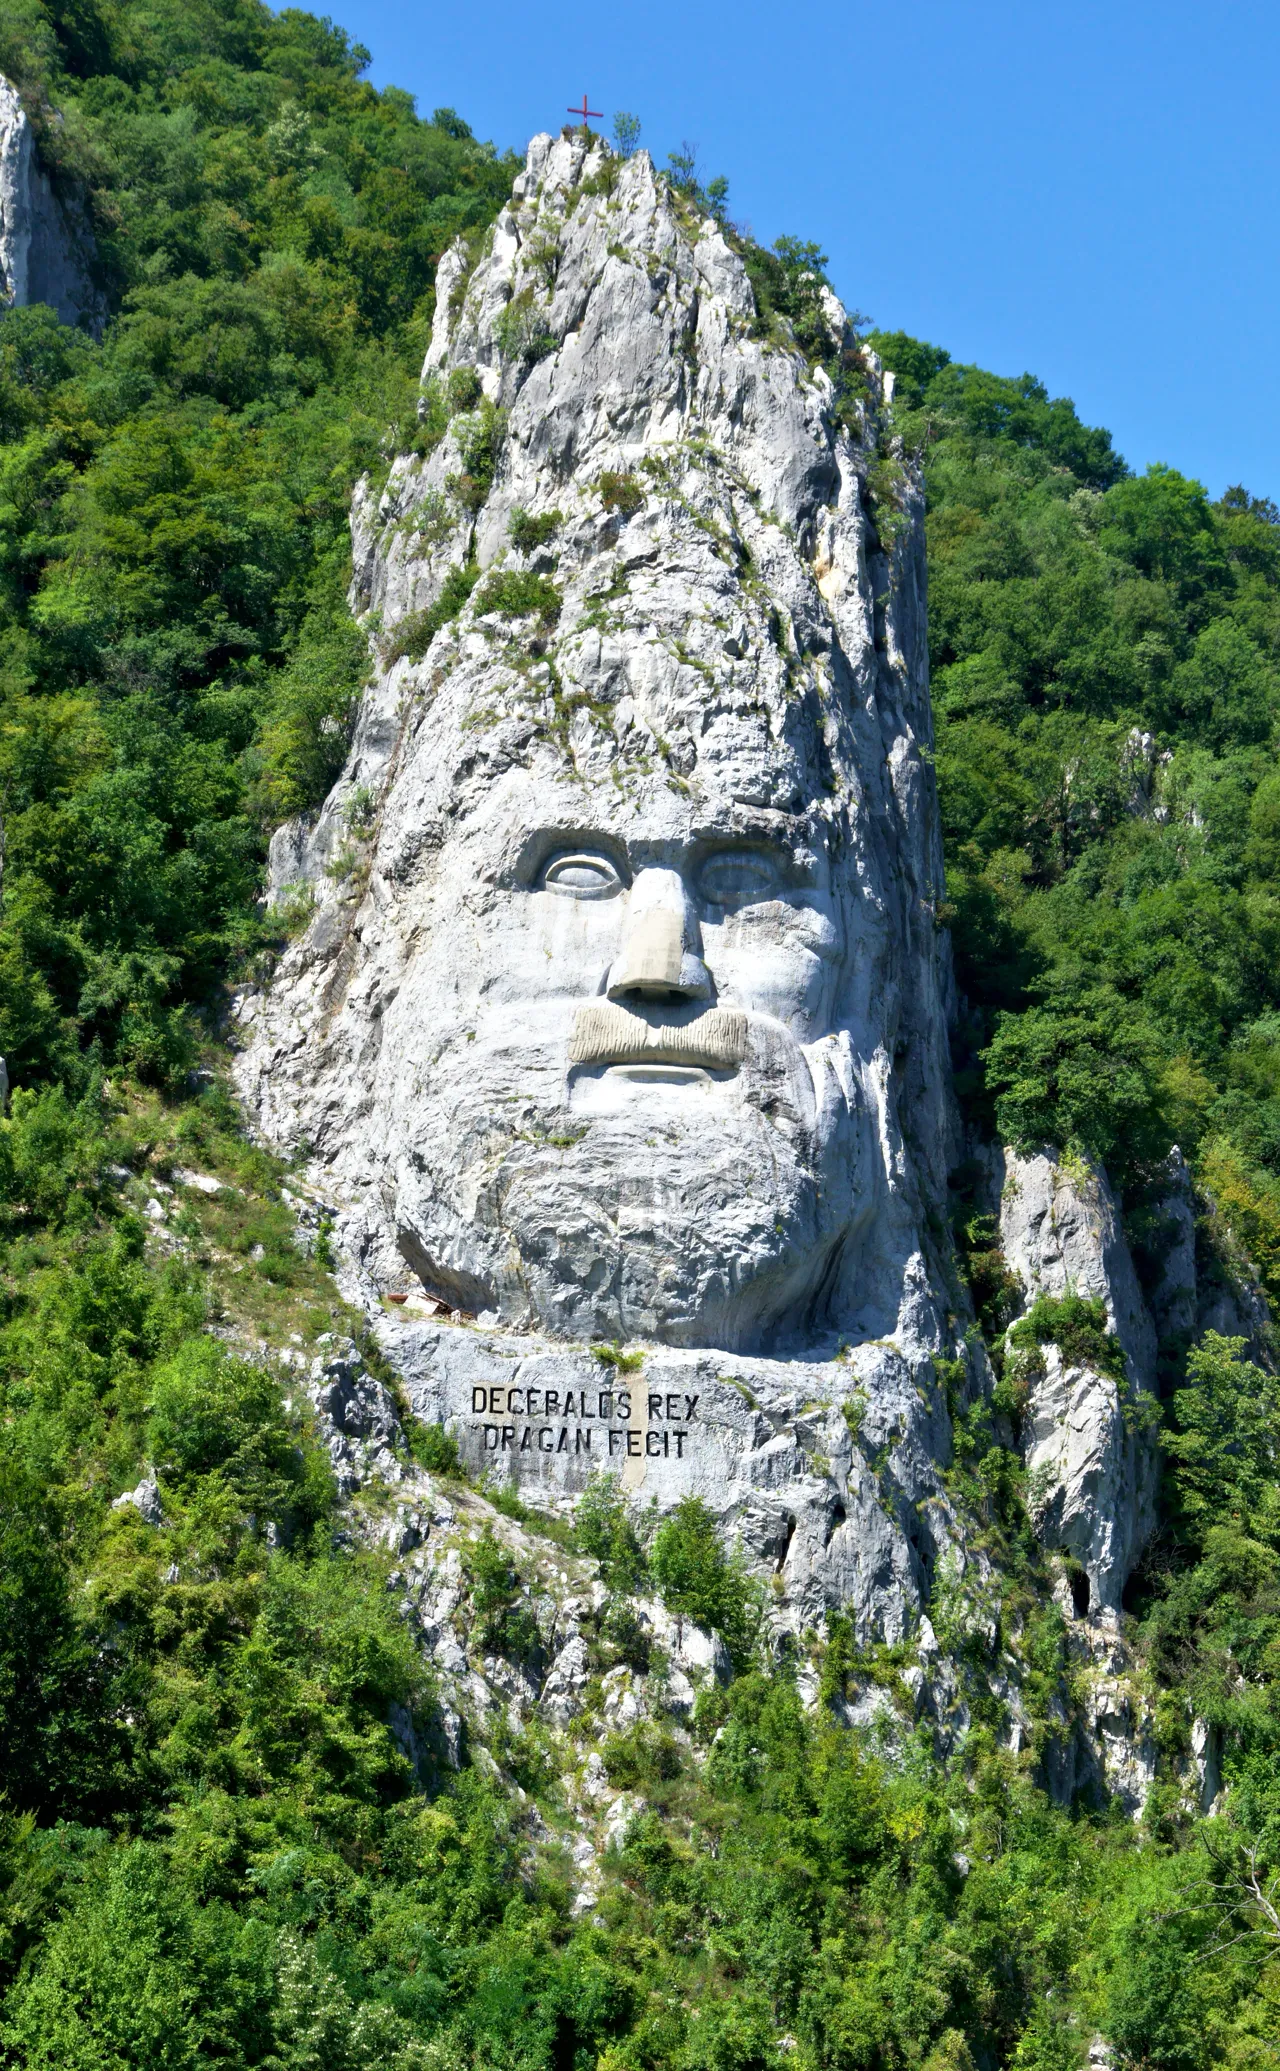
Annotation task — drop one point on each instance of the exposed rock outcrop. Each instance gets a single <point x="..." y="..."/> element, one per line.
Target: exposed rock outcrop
<point x="1087" y="1433"/>
<point x="825" y="1474"/>
<point x="1061" y="1233"/>
<point x="45" y="249"/>
<point x="145" y="1499"/>
<point x="622" y="1011"/>
<point x="613" y="1048"/>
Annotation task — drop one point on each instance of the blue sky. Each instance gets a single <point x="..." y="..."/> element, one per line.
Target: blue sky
<point x="1087" y="191"/>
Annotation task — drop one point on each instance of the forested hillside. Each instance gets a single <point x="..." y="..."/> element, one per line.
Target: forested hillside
<point x="214" y="1846"/>
<point x="178" y="662"/>
<point x="1106" y="677"/>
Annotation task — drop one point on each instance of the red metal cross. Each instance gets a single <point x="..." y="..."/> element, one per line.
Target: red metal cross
<point x="587" y="113"/>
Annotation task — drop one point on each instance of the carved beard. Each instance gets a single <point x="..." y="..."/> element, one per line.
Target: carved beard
<point x="690" y="1215"/>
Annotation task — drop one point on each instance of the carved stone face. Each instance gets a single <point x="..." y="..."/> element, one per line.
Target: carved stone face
<point x="613" y="1031"/>
<point x="628" y="1015"/>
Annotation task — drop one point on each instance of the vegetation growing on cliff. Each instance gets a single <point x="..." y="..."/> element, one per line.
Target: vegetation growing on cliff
<point x="213" y="1847"/>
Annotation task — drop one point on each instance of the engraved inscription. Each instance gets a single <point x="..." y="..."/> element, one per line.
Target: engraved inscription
<point x="596" y="1422"/>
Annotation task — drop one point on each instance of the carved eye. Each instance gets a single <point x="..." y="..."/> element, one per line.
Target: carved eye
<point x="582" y="876"/>
<point x="736" y="877"/>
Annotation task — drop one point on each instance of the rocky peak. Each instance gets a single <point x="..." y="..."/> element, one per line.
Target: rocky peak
<point x="615" y="1038"/>
<point x="621" y="1014"/>
<point x="633" y="580"/>
<point x="617" y="1033"/>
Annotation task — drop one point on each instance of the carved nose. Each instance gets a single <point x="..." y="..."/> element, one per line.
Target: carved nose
<point x="656" y="961"/>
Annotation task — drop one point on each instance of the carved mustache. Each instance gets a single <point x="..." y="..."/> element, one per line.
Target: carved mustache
<point x="605" y="1033"/>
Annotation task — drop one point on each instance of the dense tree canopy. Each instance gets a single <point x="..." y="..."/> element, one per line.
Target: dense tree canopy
<point x="226" y="1832"/>
<point x="1106" y="680"/>
<point x="178" y="665"/>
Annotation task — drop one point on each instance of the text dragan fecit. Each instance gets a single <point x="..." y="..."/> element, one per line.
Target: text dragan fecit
<point x="554" y="1420"/>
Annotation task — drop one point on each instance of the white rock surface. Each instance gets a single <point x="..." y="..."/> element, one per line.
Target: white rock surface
<point x="145" y="1499"/>
<point x="834" y="1519"/>
<point x="202" y="1182"/>
<point x="622" y="1011"/>
<point x="1088" y="1438"/>
<point x="45" y="253"/>
<point x="768" y="818"/>
<point x="1091" y="1475"/>
<point x="1206" y="1756"/>
<point x="359" y="1422"/>
<point x="1060" y="1231"/>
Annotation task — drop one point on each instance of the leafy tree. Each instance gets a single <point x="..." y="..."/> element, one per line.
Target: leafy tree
<point x="1224" y="693"/>
<point x="1102" y="648"/>
<point x="787" y="283"/>
<point x="136" y="1974"/>
<point x="1224" y="1442"/>
<point x="1156" y="2011"/>
<point x="1162" y="525"/>
<point x="1082" y="1070"/>
<point x="210" y="1414"/>
<point x="63" y="1749"/>
<point x="606" y="1531"/>
<point x="1078" y="1326"/>
<point x="698" y="1580"/>
<point x="912" y="361"/>
<point x="173" y="551"/>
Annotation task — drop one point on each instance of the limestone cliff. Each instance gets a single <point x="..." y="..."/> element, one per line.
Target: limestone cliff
<point x="621" y="1014"/>
<point x="615" y="1038"/>
<point x="1087" y="1435"/>
<point x="45" y="251"/>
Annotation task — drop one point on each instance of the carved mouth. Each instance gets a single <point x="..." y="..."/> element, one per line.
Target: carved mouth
<point x="605" y="1033"/>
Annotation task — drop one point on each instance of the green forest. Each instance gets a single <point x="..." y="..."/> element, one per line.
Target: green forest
<point x="213" y="1847"/>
